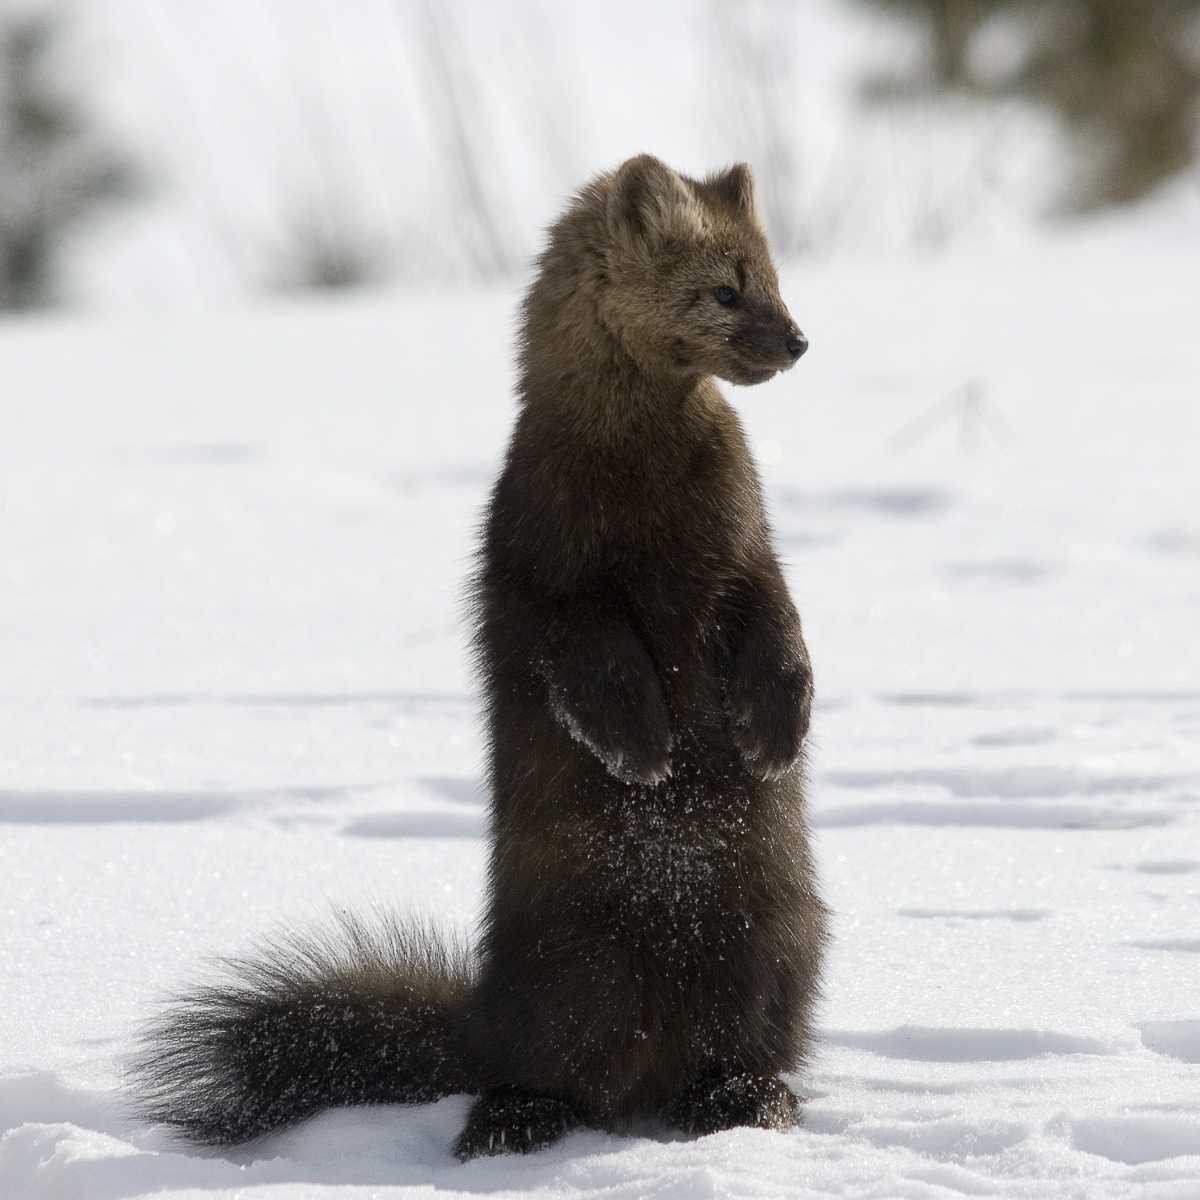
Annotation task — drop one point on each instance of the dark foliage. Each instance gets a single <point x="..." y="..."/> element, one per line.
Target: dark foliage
<point x="1123" y="77"/>
<point x="55" y="170"/>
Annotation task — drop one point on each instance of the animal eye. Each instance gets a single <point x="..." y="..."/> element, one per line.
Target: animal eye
<point x="726" y="296"/>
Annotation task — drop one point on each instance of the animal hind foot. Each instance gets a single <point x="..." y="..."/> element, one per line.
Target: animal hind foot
<point x="726" y="1102"/>
<point x="513" y="1122"/>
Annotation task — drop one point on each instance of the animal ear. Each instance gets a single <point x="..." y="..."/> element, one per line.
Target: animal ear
<point x="650" y="203"/>
<point x="734" y="187"/>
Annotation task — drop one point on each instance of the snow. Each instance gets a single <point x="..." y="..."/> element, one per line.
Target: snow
<point x="237" y="693"/>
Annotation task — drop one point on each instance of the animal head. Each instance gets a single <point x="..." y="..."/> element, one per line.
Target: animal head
<point x="689" y="277"/>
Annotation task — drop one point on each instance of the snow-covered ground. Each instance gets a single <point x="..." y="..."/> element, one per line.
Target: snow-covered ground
<point x="235" y="693"/>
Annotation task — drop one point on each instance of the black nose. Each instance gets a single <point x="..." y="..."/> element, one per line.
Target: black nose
<point x="797" y="343"/>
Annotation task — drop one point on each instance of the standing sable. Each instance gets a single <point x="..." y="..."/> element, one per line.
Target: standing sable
<point x="653" y="932"/>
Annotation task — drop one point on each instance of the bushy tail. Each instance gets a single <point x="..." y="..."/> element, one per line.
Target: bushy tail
<point x="363" y="1014"/>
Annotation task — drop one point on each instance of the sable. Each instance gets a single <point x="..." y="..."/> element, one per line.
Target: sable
<point x="653" y="933"/>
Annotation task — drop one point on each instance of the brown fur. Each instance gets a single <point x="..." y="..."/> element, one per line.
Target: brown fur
<point x="653" y="934"/>
<point x="653" y="929"/>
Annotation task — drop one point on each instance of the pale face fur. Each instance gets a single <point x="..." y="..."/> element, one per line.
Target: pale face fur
<point x="690" y="281"/>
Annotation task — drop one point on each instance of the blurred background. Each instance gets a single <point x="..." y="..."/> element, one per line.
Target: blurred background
<point x="159" y="154"/>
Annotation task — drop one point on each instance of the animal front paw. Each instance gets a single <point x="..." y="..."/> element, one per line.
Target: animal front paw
<point x="513" y="1122"/>
<point x="610" y="700"/>
<point x="770" y="703"/>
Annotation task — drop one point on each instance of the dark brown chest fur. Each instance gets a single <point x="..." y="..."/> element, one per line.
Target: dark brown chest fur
<point x="657" y="516"/>
<point x="656" y="522"/>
